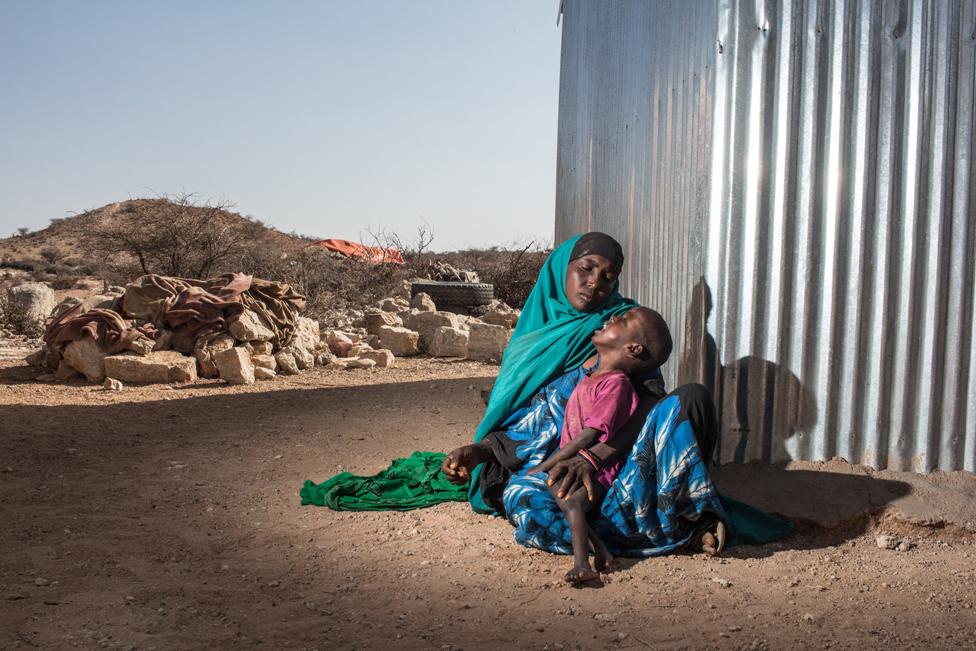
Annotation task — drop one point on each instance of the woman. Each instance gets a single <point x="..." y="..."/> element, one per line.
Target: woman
<point x="663" y="496"/>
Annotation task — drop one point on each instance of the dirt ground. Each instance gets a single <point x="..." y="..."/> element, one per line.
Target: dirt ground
<point x="168" y="518"/>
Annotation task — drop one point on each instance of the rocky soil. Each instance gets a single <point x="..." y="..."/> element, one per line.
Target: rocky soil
<point x="167" y="517"/>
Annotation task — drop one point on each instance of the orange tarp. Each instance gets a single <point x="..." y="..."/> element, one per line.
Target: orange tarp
<point x="374" y="254"/>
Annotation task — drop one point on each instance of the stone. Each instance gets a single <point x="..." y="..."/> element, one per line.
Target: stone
<point x="141" y="346"/>
<point x="286" y="362"/>
<point x="32" y="303"/>
<point x="904" y="546"/>
<point x="304" y="359"/>
<point x="396" y="305"/>
<point x="205" y="354"/>
<point x="261" y="347"/>
<point x="65" y="372"/>
<point x="358" y="349"/>
<point x="235" y="366"/>
<point x="251" y="326"/>
<point x="487" y="342"/>
<point x="360" y="362"/>
<point x="499" y="313"/>
<point x="264" y="361"/>
<point x="111" y="384"/>
<point x="87" y="358"/>
<point x="161" y="366"/>
<point x="423" y="302"/>
<point x="464" y="321"/>
<point x="886" y="541"/>
<point x="384" y="358"/>
<point x="324" y="357"/>
<point x="261" y="373"/>
<point x="449" y="342"/>
<point x="425" y="323"/>
<point x="377" y="318"/>
<point x="339" y="342"/>
<point x="306" y="334"/>
<point x="374" y="342"/>
<point x="400" y="341"/>
<point x="37" y="358"/>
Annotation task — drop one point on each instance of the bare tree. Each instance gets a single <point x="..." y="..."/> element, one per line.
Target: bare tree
<point x="177" y="237"/>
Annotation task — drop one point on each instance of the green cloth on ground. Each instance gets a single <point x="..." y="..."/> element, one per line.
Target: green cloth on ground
<point x="749" y="526"/>
<point x="551" y="338"/>
<point x="411" y="483"/>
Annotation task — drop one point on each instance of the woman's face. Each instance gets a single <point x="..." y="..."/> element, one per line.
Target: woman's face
<point x="589" y="281"/>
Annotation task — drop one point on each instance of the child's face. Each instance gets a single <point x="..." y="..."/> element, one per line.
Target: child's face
<point x="618" y="331"/>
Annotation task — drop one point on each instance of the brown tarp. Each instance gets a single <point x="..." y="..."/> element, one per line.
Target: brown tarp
<point x="198" y="308"/>
<point x="105" y="325"/>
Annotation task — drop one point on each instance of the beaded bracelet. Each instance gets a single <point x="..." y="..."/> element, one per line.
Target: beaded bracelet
<point x="590" y="459"/>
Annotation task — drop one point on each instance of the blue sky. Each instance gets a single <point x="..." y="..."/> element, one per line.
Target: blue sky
<point x="326" y="118"/>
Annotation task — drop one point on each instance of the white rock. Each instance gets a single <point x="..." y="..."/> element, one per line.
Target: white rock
<point x="425" y="323"/>
<point x="235" y="366"/>
<point x="304" y="359"/>
<point x="886" y="541"/>
<point x="400" y="341"/>
<point x="357" y="362"/>
<point x="324" y="358"/>
<point x="286" y="362"/>
<point x="449" y="342"/>
<point x="141" y="346"/>
<point x="261" y="373"/>
<point x="251" y="326"/>
<point x="158" y="366"/>
<point x="487" y="342"/>
<point x="423" y="302"/>
<point x="377" y="318"/>
<point x="111" y="384"/>
<point x="384" y="358"/>
<point x="306" y="334"/>
<point x="261" y="348"/>
<point x="396" y="305"/>
<point x="205" y="354"/>
<point x="499" y="313"/>
<point x="86" y="357"/>
<point x="32" y="302"/>
<point x="264" y="361"/>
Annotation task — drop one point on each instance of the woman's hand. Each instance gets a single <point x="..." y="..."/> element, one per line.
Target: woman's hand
<point x="571" y="474"/>
<point x="459" y="463"/>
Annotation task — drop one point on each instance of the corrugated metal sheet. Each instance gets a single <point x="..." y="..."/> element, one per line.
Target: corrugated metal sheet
<point x="795" y="185"/>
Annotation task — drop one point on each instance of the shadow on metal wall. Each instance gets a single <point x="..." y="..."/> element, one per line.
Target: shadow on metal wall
<point x="761" y="404"/>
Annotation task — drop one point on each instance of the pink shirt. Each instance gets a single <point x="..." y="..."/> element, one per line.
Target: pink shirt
<point x="603" y="402"/>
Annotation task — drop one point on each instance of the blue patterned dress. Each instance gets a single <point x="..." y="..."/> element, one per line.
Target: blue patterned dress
<point x="662" y="497"/>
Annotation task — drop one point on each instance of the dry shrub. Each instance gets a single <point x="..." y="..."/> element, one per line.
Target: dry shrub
<point x="329" y="282"/>
<point x="17" y="321"/>
<point x="173" y="237"/>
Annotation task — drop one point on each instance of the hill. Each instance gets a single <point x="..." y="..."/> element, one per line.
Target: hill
<point x="70" y="241"/>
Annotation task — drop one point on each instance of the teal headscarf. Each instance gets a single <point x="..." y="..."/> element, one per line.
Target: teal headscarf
<point x="552" y="337"/>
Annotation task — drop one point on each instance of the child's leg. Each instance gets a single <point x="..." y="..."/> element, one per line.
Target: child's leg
<point x="575" y="508"/>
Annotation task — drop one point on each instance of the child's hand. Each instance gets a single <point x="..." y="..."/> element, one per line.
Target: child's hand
<point x="534" y="470"/>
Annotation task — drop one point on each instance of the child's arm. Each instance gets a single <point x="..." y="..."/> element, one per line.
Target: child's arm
<point x="584" y="439"/>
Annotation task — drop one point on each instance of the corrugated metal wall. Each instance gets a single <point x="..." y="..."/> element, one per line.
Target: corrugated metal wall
<point x="811" y="204"/>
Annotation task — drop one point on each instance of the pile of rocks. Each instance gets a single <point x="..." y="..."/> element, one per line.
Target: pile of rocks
<point x="397" y="327"/>
<point x="401" y="327"/>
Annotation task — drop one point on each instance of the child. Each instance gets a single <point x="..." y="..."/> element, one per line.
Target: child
<point x="600" y="404"/>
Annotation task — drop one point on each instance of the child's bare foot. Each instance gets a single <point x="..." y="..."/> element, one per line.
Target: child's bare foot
<point x="713" y="542"/>
<point x="581" y="574"/>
